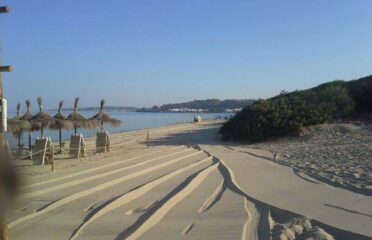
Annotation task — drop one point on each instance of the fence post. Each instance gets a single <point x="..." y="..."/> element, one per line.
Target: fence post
<point x="148" y="139"/>
<point x="52" y="156"/>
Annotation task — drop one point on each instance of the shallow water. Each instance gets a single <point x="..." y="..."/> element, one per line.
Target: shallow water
<point x="131" y="121"/>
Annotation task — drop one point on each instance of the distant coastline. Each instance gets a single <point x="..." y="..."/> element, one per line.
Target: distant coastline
<point x="196" y="106"/>
<point x="202" y="106"/>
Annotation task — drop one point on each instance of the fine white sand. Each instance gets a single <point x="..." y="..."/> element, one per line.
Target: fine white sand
<point x="188" y="184"/>
<point x="338" y="154"/>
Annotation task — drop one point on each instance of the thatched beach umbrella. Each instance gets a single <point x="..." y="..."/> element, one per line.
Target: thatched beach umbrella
<point x="18" y="115"/>
<point x="18" y="126"/>
<point x="27" y="117"/>
<point x="60" y="122"/>
<point x="77" y="119"/>
<point x="102" y="117"/>
<point x="41" y="119"/>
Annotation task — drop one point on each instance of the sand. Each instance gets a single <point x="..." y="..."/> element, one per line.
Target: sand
<point x="338" y="154"/>
<point x="188" y="184"/>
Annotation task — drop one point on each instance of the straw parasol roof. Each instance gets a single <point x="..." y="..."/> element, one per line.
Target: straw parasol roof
<point x="41" y="119"/>
<point x="103" y="117"/>
<point x="18" y="116"/>
<point x="75" y="115"/>
<point x="41" y="116"/>
<point x="59" y="120"/>
<point x="16" y="125"/>
<point x="79" y="120"/>
<point x="13" y="122"/>
<point x="28" y="115"/>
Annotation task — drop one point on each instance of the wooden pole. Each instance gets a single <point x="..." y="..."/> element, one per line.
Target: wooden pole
<point x="79" y="149"/>
<point x="148" y="139"/>
<point x="29" y="142"/>
<point x="6" y="68"/>
<point x="4" y="9"/>
<point x="19" y="142"/>
<point x="60" y="139"/>
<point x="52" y="156"/>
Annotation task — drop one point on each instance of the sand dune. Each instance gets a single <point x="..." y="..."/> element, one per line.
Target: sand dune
<point x="173" y="191"/>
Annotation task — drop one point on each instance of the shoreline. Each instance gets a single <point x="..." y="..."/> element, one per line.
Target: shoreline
<point x="92" y="132"/>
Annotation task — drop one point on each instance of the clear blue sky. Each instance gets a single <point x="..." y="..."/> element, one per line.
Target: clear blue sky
<point x="141" y="53"/>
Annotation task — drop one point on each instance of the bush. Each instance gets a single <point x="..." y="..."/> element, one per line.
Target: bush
<point x="361" y="91"/>
<point x="288" y="112"/>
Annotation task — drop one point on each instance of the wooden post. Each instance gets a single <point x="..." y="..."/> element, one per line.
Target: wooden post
<point x="2" y="69"/>
<point x="148" y="139"/>
<point x="52" y="156"/>
<point x="60" y="139"/>
<point x="4" y="9"/>
<point x="6" y="68"/>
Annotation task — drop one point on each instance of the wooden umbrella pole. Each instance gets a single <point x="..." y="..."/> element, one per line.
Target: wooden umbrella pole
<point x="19" y="141"/>
<point x="148" y="139"/>
<point x="29" y="141"/>
<point x="52" y="156"/>
<point x="60" y="139"/>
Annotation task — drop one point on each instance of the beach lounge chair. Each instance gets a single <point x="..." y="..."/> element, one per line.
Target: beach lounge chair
<point x="77" y="146"/>
<point x="102" y="142"/>
<point x="40" y="151"/>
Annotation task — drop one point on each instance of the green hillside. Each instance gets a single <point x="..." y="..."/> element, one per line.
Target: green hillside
<point x="288" y="112"/>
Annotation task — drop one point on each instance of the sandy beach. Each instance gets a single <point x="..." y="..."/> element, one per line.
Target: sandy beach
<point x="190" y="184"/>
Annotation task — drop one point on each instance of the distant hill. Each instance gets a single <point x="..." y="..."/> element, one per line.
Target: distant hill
<point x="290" y="111"/>
<point x="209" y="105"/>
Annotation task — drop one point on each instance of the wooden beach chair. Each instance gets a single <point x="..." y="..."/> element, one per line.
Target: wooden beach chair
<point x="77" y="146"/>
<point x="197" y="119"/>
<point x="102" y="142"/>
<point x="40" y="151"/>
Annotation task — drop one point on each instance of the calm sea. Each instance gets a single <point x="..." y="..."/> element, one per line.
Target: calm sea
<point x="131" y="121"/>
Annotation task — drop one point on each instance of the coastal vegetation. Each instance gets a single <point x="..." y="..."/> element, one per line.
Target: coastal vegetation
<point x="289" y="112"/>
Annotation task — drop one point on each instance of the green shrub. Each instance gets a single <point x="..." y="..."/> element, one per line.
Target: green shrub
<point x="361" y="91"/>
<point x="288" y="112"/>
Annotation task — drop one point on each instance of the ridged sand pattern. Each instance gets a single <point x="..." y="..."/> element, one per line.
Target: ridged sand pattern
<point x="170" y="191"/>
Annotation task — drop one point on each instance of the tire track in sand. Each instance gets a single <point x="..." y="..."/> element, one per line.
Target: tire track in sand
<point x="94" y="177"/>
<point x="261" y="225"/>
<point x="134" y="194"/>
<point x="162" y="210"/>
<point x="97" y="188"/>
<point x="256" y="226"/>
<point x="97" y="168"/>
